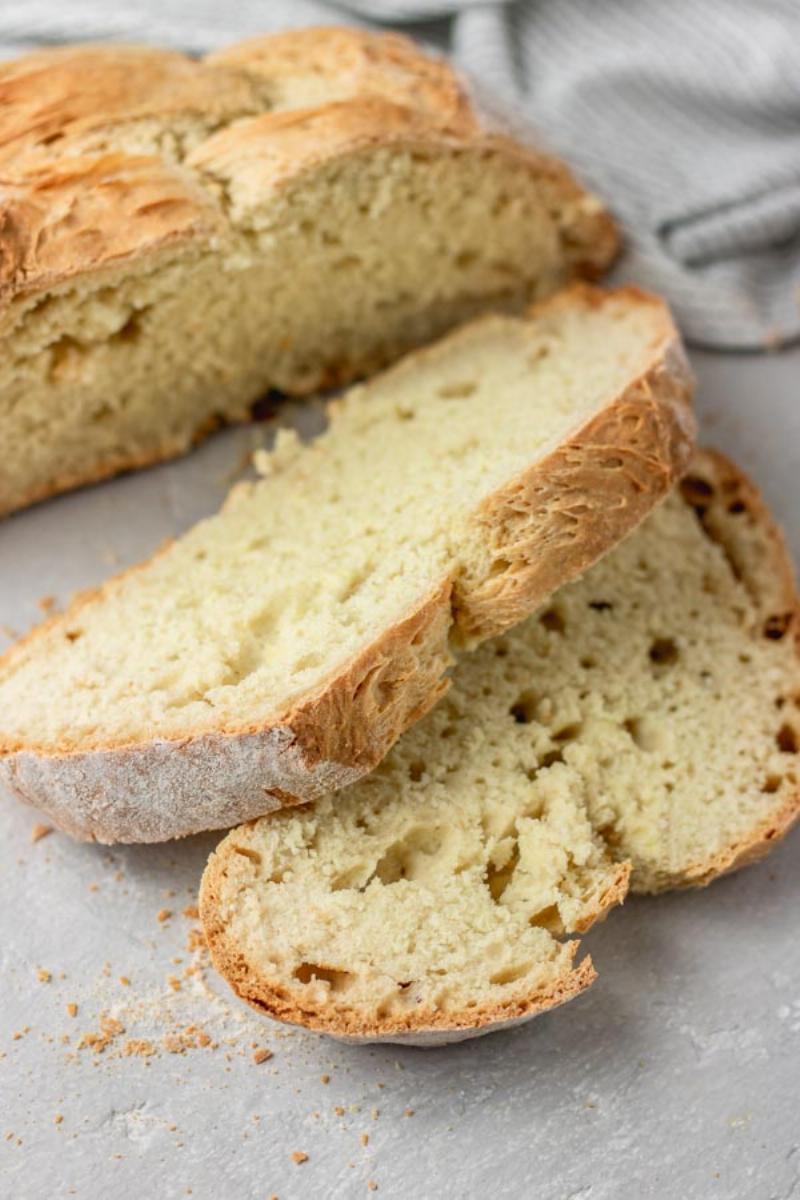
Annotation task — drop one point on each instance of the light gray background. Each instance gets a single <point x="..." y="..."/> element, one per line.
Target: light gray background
<point x="676" y="1076"/>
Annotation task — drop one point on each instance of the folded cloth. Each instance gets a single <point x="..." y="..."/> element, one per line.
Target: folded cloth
<point x="685" y="116"/>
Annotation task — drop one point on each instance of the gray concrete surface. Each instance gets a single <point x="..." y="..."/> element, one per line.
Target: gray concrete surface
<point x="676" y="1076"/>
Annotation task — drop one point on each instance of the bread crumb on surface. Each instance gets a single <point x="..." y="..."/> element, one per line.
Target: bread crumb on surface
<point x="298" y="1157"/>
<point x="372" y="1185"/>
<point x="141" y="1047"/>
<point x="364" y="1139"/>
<point x="324" y="1078"/>
<point x="409" y="1112"/>
<point x="72" y="1009"/>
<point x="58" y="1118"/>
<point x="40" y="831"/>
<point x="191" y="911"/>
<point x="125" y="981"/>
<point x="195" y="940"/>
<point x="261" y="1055"/>
<point x="46" y="604"/>
<point x="163" y="915"/>
<point x="43" y="975"/>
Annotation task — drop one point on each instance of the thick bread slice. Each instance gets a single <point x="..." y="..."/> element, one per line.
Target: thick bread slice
<point x="651" y="708"/>
<point x="279" y="649"/>
<point x="178" y="237"/>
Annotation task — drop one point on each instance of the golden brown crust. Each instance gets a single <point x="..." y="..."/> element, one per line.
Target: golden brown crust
<point x="561" y="515"/>
<point x="357" y="716"/>
<point x="733" y="513"/>
<point x="336" y="62"/>
<point x="93" y="215"/>
<point x="417" y="1027"/>
<point x="276" y="148"/>
<point x="613" y="894"/>
<point x="54" y="100"/>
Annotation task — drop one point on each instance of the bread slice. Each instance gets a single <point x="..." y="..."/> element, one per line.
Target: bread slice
<point x="279" y="649"/>
<point x="649" y="715"/>
<point x="179" y="237"/>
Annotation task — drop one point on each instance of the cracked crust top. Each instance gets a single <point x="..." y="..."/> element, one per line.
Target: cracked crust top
<point x="161" y="128"/>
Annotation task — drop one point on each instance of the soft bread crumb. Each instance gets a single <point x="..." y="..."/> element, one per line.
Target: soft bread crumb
<point x="648" y="712"/>
<point x="300" y="573"/>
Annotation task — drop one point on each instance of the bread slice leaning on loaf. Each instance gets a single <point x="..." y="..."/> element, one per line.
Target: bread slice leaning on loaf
<point x="648" y="718"/>
<point x="278" y="650"/>
<point x="180" y="237"/>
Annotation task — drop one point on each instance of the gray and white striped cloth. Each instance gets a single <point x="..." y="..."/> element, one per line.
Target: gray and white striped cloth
<point x="683" y="114"/>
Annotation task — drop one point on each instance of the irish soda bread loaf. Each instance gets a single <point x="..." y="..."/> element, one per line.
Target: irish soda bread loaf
<point x="649" y="715"/>
<point x="178" y="237"/>
<point x="279" y="649"/>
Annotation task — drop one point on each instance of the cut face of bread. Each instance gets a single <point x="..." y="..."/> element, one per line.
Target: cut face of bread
<point x="181" y="237"/>
<point x="647" y="716"/>
<point x="430" y="899"/>
<point x="279" y="649"/>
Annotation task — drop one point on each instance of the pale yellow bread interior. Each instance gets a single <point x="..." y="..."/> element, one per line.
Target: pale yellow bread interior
<point x="647" y="716"/>
<point x="342" y="538"/>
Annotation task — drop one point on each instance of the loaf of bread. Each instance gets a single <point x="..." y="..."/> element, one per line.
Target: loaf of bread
<point x="177" y="237"/>
<point x="278" y="650"/>
<point x="647" y="717"/>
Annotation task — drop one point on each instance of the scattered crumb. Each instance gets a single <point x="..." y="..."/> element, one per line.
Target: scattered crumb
<point x="376" y="1112"/>
<point x="262" y="1055"/>
<point x="163" y="915"/>
<point x="93" y="887"/>
<point x="125" y="981"/>
<point x="409" y="1112"/>
<point x="43" y="975"/>
<point x="298" y="1157"/>
<point x="364" y="1139"/>
<point x="72" y="1009"/>
<point x="372" y="1185"/>
<point x="141" y="1047"/>
<point x="196" y="940"/>
<point x="58" y="1118"/>
<point x="40" y="831"/>
<point x="192" y="912"/>
<point x="324" y="1078"/>
<point x="174" y="983"/>
<point x="110" y="1028"/>
<point x="46" y="604"/>
<point x="339" y="1110"/>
